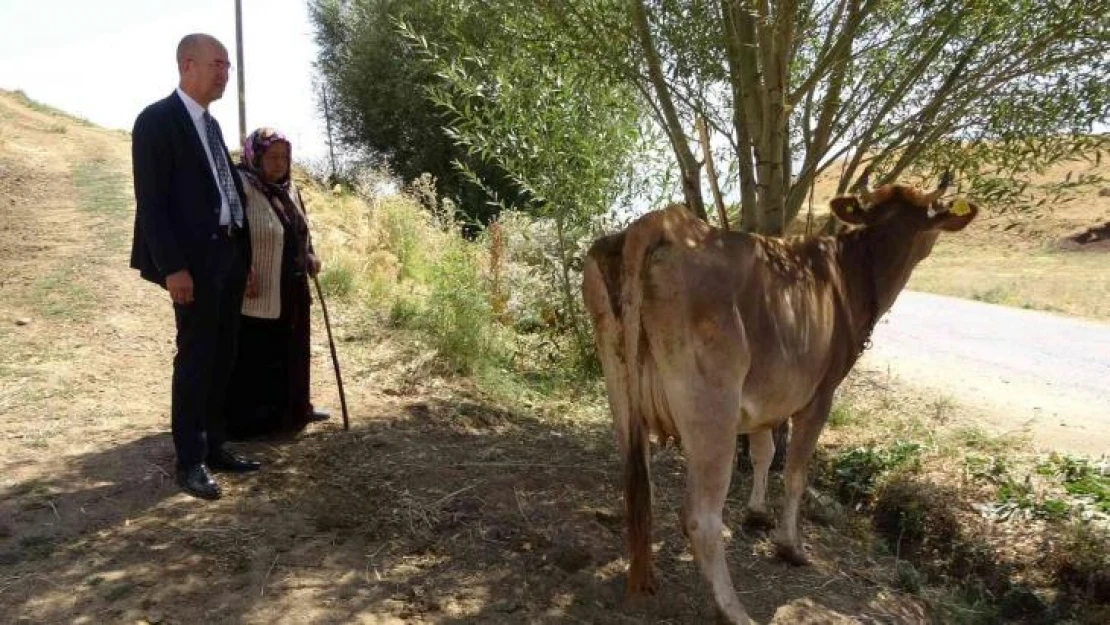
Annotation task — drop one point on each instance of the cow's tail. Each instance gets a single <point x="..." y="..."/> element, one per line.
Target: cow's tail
<point x="637" y="499"/>
<point x="642" y="237"/>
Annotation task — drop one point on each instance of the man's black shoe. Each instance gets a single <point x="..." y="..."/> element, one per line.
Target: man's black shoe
<point x="223" y="460"/>
<point x="198" y="482"/>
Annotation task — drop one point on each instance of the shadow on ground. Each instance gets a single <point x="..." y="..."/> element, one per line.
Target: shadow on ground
<point x="447" y="511"/>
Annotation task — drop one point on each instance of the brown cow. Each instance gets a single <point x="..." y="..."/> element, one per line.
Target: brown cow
<point x="706" y="334"/>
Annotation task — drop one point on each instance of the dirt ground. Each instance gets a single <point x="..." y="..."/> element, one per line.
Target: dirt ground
<point x="437" y="507"/>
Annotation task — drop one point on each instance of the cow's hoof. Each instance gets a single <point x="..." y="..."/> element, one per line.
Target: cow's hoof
<point x="791" y="553"/>
<point x="641" y="585"/>
<point x="758" y="521"/>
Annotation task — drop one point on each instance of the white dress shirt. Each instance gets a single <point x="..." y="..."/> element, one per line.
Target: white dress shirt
<point x="196" y="111"/>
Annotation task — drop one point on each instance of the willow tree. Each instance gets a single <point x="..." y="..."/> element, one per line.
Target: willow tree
<point x="790" y="88"/>
<point x="376" y="94"/>
<point x="516" y="98"/>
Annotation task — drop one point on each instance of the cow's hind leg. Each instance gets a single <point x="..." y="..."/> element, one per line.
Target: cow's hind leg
<point x="803" y="440"/>
<point x="761" y="449"/>
<point x="709" y="469"/>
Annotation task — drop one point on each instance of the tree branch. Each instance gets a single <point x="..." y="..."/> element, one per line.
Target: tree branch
<point x="691" y="181"/>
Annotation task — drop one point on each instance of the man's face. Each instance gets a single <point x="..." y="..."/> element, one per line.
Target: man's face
<point x="207" y="71"/>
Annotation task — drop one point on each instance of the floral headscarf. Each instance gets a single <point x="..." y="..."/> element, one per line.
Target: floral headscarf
<point x="279" y="193"/>
<point x="254" y="146"/>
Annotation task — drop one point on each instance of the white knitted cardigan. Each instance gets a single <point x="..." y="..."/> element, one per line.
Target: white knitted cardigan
<point x="267" y="242"/>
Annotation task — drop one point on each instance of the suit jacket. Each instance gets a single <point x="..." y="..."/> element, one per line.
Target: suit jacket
<point x="177" y="198"/>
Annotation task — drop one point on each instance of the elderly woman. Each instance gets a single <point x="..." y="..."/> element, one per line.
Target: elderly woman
<point x="269" y="391"/>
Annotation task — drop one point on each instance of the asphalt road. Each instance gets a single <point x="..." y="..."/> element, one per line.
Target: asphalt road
<point x="1024" y="369"/>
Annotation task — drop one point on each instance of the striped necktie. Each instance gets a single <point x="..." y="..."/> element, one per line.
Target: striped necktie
<point x="223" y="170"/>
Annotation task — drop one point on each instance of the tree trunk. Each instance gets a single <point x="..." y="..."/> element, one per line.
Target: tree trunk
<point x="738" y="77"/>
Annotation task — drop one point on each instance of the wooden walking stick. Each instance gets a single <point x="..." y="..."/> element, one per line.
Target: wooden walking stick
<point x="334" y="358"/>
<point x="331" y="341"/>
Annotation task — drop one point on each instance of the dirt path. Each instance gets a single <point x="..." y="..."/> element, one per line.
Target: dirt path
<point x="438" y="506"/>
<point x="1025" y="370"/>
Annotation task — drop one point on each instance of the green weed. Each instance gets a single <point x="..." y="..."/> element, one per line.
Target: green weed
<point x="841" y="416"/>
<point x="102" y="186"/>
<point x="459" y="315"/>
<point x="857" y="470"/>
<point x="1080" y="478"/>
<point x="59" y="295"/>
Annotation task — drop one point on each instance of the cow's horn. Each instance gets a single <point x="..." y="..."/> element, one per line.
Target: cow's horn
<point x="862" y="186"/>
<point x="945" y="180"/>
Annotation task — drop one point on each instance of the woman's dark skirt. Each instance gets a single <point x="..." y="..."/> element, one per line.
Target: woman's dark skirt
<point x="268" y="396"/>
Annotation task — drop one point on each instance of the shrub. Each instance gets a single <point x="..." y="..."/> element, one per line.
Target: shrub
<point x="1080" y="561"/>
<point x="458" y="314"/>
<point x="915" y="517"/>
<point x="840" y="416"/>
<point x="1081" y="478"/>
<point x="406" y="233"/>
<point x="337" y="279"/>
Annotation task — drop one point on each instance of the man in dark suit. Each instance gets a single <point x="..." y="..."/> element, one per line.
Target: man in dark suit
<point x="191" y="238"/>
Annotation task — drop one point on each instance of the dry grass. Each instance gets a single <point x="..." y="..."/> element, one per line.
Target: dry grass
<point x="1073" y="283"/>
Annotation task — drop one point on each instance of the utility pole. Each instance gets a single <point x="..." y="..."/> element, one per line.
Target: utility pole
<point x="242" y="73"/>
<point x="327" y="121"/>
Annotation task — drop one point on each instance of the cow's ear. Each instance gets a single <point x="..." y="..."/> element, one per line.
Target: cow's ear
<point x="956" y="215"/>
<point x="848" y="209"/>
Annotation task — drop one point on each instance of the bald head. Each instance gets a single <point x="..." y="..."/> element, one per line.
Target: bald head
<point x="194" y="44"/>
<point x="203" y="67"/>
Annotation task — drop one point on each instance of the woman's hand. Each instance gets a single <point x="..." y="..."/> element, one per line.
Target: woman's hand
<point x="314" y="265"/>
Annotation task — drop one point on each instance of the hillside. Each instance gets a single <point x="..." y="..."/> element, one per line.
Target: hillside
<point x="448" y="501"/>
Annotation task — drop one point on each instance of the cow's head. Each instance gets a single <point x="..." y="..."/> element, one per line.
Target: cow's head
<point x="905" y="208"/>
<point x="899" y="225"/>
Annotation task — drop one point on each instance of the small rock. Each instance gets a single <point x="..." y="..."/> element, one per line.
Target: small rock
<point x="22" y="321"/>
<point x="1104" y="192"/>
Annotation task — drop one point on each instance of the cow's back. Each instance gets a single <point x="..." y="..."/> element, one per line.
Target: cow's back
<point x="779" y="294"/>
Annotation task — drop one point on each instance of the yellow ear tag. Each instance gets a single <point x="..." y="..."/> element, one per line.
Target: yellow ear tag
<point x="960" y="207"/>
